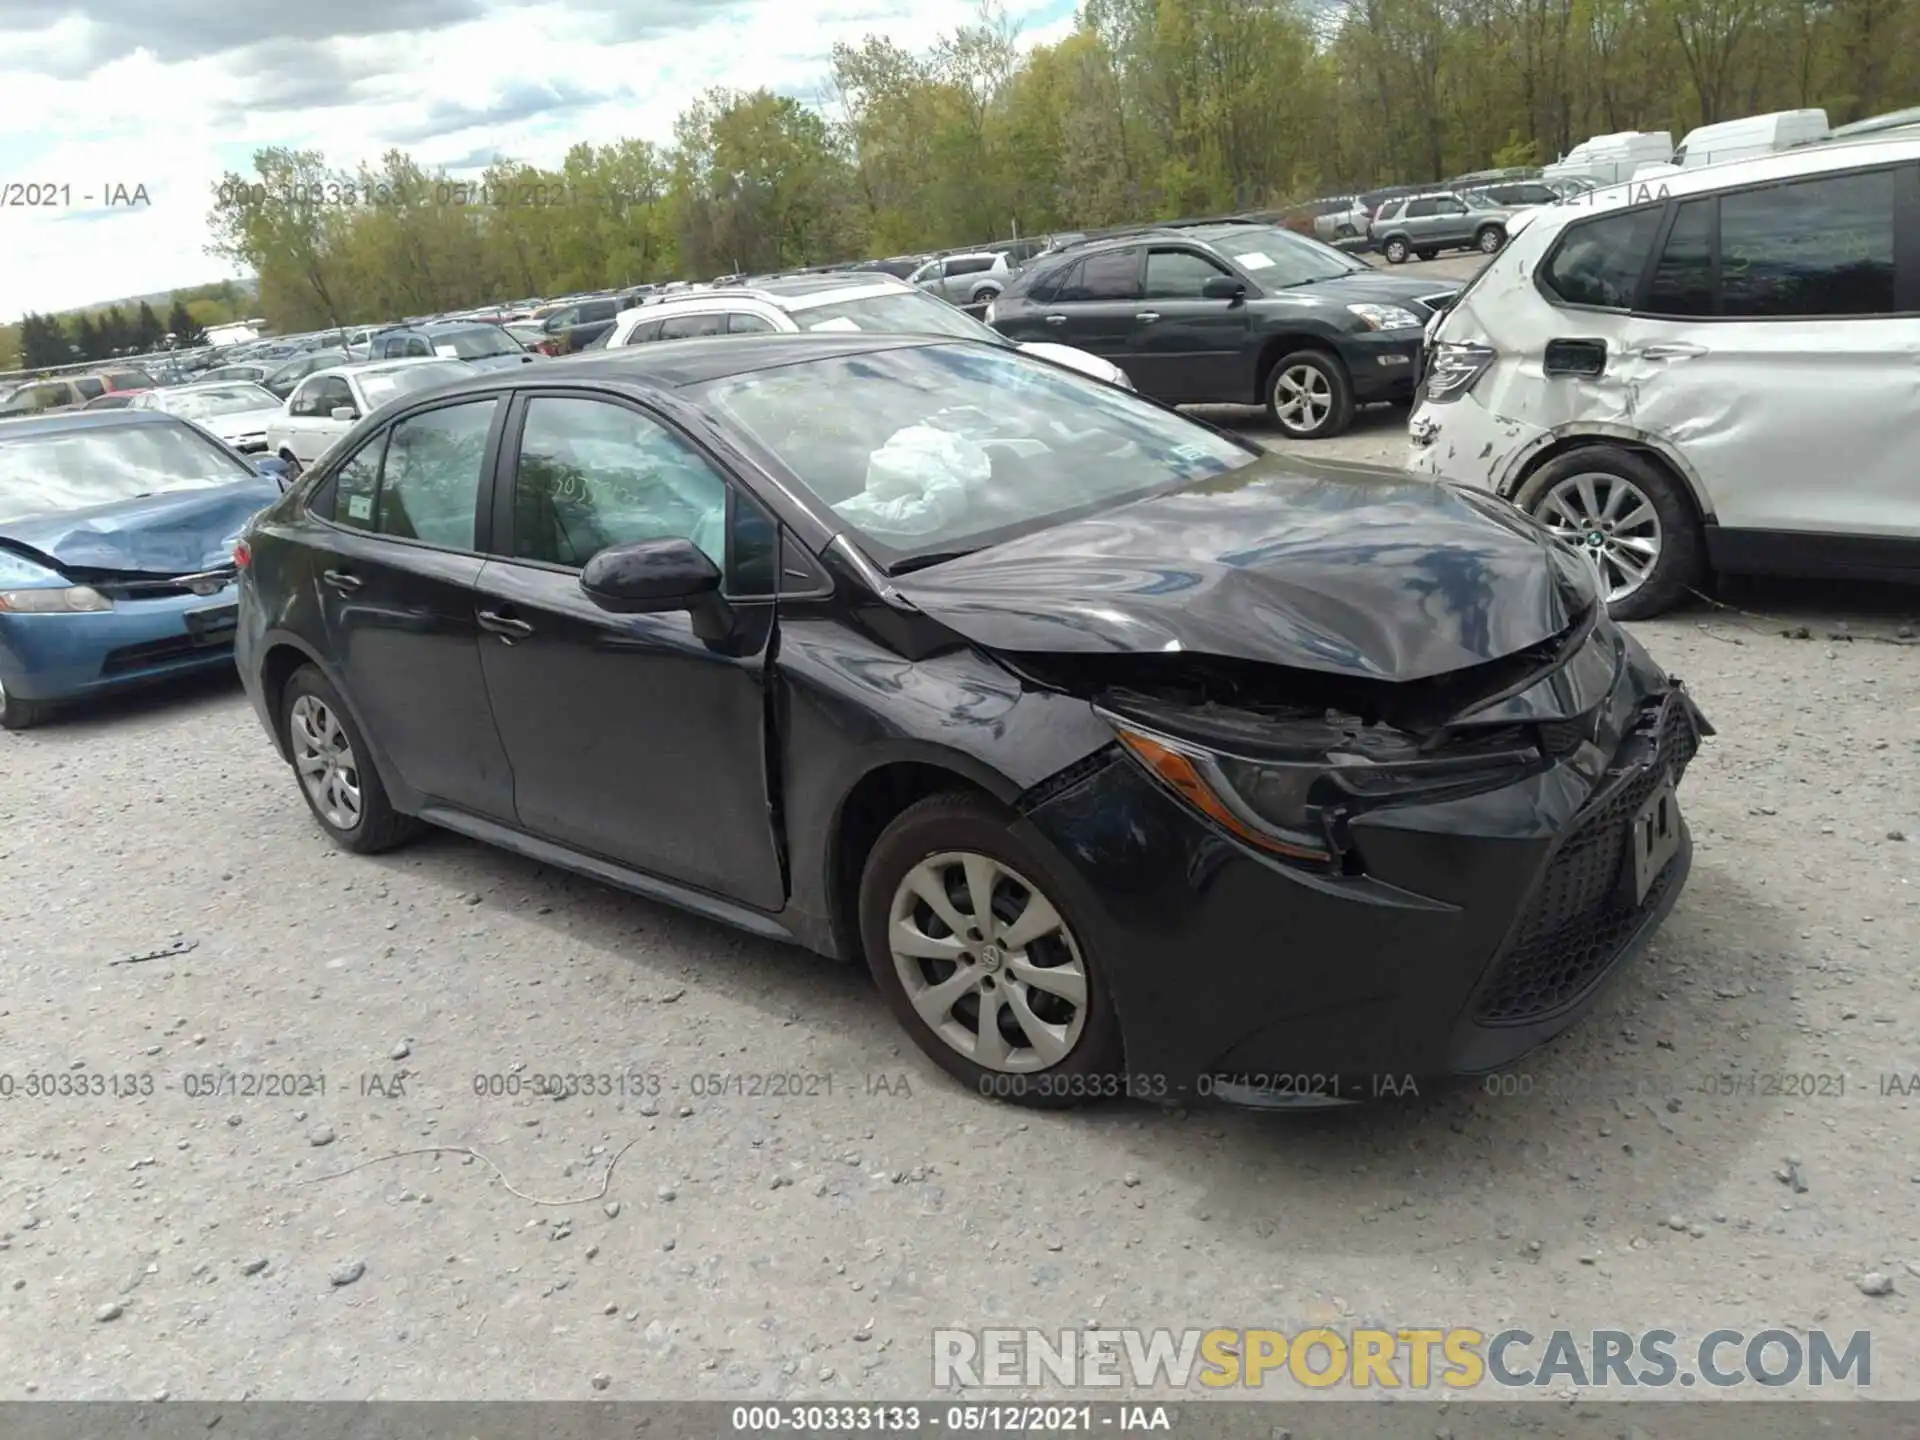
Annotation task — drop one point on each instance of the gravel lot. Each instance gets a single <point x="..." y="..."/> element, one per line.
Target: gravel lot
<point x="209" y="1246"/>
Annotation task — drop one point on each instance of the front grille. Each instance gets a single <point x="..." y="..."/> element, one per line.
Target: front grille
<point x="1580" y="915"/>
<point x="208" y="632"/>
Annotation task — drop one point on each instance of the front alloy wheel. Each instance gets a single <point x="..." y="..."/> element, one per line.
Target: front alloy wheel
<point x="987" y="963"/>
<point x="1309" y="397"/>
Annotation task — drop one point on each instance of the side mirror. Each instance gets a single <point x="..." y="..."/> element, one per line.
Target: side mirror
<point x="649" y="577"/>
<point x="345" y="412"/>
<point x="1224" y="287"/>
<point x="274" y="466"/>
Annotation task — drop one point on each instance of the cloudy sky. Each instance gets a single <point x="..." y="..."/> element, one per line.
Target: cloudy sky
<point x="169" y="94"/>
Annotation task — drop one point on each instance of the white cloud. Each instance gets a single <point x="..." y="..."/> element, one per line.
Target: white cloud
<point x="193" y="87"/>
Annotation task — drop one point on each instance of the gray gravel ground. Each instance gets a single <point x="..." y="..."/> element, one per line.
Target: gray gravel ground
<point x="210" y="1246"/>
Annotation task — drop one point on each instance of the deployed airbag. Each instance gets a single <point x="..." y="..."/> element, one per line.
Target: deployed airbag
<point x="918" y="483"/>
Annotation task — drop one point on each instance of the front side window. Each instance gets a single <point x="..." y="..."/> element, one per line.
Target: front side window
<point x="1598" y="262"/>
<point x="430" y="482"/>
<point x="592" y="474"/>
<point x="934" y="448"/>
<point x="1812" y="247"/>
<point x="641" y="334"/>
<point x="1178" y="274"/>
<point x="1111" y="275"/>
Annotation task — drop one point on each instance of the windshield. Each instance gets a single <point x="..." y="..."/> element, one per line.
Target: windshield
<point x="227" y="400"/>
<point x="380" y="386"/>
<point x="76" y="469"/>
<point x="1278" y="258"/>
<point x="934" y="449"/>
<point x="894" y="312"/>
<point x="475" y="344"/>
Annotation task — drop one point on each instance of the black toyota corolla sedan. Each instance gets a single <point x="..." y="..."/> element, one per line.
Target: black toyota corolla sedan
<point x="1130" y="759"/>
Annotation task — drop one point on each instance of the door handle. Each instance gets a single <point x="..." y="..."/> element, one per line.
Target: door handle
<point x="1147" y="317"/>
<point x="1056" y="319"/>
<point x="342" y="581"/>
<point x="1675" y="350"/>
<point x="505" y="626"/>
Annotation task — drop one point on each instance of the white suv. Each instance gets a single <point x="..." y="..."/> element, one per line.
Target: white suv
<point x="1717" y="370"/>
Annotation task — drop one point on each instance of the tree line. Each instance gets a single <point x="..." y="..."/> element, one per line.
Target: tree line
<point x="39" y="341"/>
<point x="1147" y="109"/>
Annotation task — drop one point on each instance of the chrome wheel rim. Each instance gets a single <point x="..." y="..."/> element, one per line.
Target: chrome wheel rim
<point x="1302" y="397"/>
<point x="1489" y="241"/>
<point x="1611" y="519"/>
<point x="987" y="962"/>
<point x="324" y="760"/>
<point x="1396" y="251"/>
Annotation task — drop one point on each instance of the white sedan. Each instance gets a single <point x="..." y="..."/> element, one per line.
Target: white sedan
<point x="237" y="412"/>
<point x="329" y="403"/>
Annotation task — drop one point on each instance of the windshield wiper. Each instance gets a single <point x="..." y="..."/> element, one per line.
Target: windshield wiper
<point x="922" y="562"/>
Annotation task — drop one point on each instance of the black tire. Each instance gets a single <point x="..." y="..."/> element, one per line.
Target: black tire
<point x="1490" y="239"/>
<point x="1681" y="563"/>
<point x="1396" y="250"/>
<point x="18" y="714"/>
<point x="1338" y="418"/>
<point x="973" y="823"/>
<point x="379" y="827"/>
<point x="1429" y="254"/>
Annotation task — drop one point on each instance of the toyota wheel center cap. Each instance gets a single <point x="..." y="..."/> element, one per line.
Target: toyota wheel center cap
<point x="990" y="958"/>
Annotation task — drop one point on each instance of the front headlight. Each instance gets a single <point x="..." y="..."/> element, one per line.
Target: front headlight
<point x="1451" y="370"/>
<point x="1298" y="808"/>
<point x="1386" y="317"/>
<point x="74" y="600"/>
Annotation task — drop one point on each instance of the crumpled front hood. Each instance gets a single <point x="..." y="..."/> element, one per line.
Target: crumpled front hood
<point x="1316" y="565"/>
<point x="177" y="534"/>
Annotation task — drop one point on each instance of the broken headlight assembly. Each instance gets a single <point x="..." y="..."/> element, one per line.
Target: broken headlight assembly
<point x="1452" y="369"/>
<point x="1296" y="801"/>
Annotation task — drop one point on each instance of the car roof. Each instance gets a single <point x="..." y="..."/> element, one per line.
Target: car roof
<point x="194" y="385"/>
<point x="674" y="364"/>
<point x="779" y="292"/>
<point x="19" y="427"/>
<point x="1798" y="163"/>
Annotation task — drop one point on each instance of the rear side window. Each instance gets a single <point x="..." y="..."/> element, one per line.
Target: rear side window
<point x="741" y="322"/>
<point x="1419" y="209"/>
<point x="430" y="484"/>
<point x="89" y="386"/>
<point x="1814" y="247"/>
<point x="643" y="333"/>
<point x="1048" y="283"/>
<point x="683" y="327"/>
<point x="1683" y="278"/>
<point x="1114" y="275"/>
<point x="1598" y="262"/>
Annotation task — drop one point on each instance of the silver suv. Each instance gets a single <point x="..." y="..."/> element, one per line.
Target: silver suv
<point x="964" y="279"/>
<point x="1424" y="225"/>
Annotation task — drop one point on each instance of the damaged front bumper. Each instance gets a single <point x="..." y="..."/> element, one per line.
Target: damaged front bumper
<point x="1464" y="932"/>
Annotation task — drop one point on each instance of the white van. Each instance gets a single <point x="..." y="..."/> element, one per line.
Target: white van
<point x="1752" y="137"/>
<point x="1713" y="371"/>
<point x="1609" y="159"/>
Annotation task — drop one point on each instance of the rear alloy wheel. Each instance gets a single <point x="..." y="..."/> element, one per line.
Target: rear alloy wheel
<point x="1488" y="239"/>
<point x="966" y="937"/>
<point x="1395" y="250"/>
<point x="1630" y="518"/>
<point x="1309" y="397"/>
<point x="330" y="760"/>
<point x="18" y="714"/>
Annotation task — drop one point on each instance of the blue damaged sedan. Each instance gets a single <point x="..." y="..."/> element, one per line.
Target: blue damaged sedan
<point x="116" y="553"/>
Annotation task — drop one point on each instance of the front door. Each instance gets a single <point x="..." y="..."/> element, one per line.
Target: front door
<point x="395" y="567"/>
<point x="1186" y="347"/>
<point x="631" y="737"/>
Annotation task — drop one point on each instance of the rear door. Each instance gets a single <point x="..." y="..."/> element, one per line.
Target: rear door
<point x="1778" y="347"/>
<point x="1185" y="346"/>
<point x="631" y="737"/>
<point x="1098" y="306"/>
<point x="396" y="559"/>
